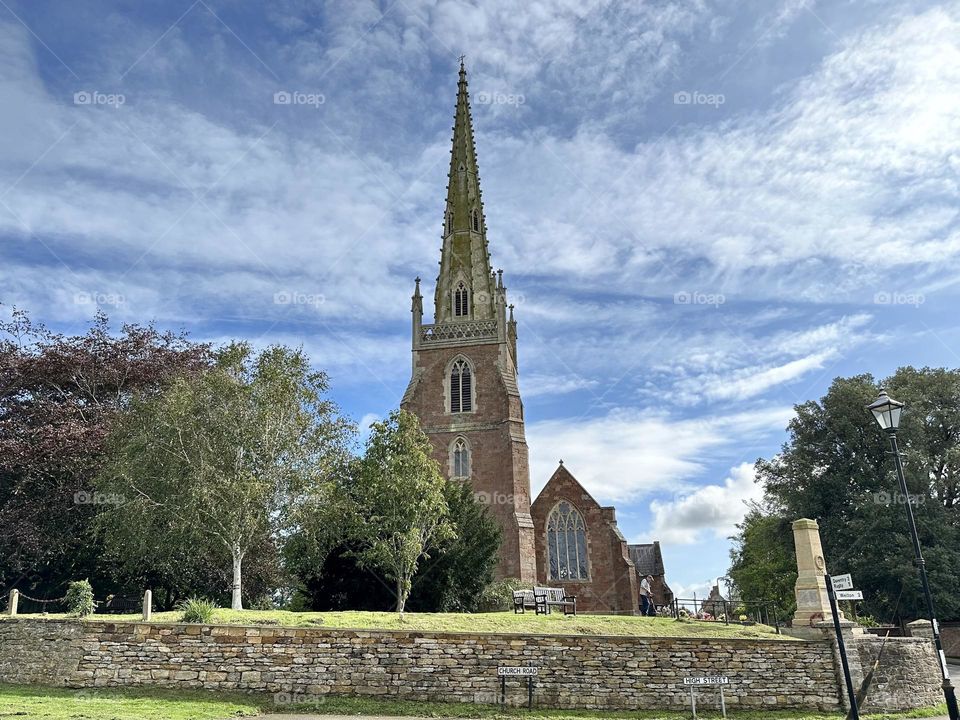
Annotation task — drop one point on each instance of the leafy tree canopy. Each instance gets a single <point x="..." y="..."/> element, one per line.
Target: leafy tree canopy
<point x="59" y="396"/>
<point x="835" y="467"/>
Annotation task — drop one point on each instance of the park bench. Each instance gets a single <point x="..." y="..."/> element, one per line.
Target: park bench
<point x="547" y="598"/>
<point x="523" y="600"/>
<point x="121" y="604"/>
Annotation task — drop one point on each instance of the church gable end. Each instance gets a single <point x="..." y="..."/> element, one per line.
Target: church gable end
<point x="609" y="584"/>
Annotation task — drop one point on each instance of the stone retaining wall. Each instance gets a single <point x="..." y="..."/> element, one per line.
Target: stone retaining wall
<point x="575" y="671"/>
<point x="907" y="675"/>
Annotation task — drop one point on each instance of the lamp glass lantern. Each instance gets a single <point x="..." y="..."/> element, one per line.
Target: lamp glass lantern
<point x="887" y="411"/>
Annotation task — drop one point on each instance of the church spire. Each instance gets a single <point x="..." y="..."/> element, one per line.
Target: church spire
<point x="463" y="187"/>
<point x="464" y="288"/>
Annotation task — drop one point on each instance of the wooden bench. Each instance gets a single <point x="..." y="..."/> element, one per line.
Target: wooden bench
<point x="547" y="598"/>
<point x="523" y="600"/>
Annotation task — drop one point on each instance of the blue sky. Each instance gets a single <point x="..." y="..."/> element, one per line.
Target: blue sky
<point x="705" y="211"/>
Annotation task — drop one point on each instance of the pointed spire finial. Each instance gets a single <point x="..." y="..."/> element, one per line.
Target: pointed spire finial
<point x="561" y="462"/>
<point x="511" y="313"/>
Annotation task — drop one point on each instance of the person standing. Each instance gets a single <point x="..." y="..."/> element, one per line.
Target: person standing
<point x="646" y="597"/>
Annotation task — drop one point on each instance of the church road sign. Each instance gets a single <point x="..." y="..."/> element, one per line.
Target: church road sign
<point x="707" y="680"/>
<point x="517" y="671"/>
<point x="849" y="595"/>
<point x="842" y="582"/>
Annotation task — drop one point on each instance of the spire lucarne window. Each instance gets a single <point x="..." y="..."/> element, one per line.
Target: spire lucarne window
<point x="567" y="543"/>
<point x="461" y="380"/>
<point x="461" y="301"/>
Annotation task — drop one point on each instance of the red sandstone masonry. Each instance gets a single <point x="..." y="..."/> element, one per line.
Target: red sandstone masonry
<point x="613" y="584"/>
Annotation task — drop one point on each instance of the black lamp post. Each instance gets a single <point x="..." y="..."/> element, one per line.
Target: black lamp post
<point x="887" y="412"/>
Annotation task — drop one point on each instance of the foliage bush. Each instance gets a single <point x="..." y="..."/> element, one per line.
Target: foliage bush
<point x="498" y="596"/>
<point x="196" y="610"/>
<point x="79" y="599"/>
<point x="263" y="602"/>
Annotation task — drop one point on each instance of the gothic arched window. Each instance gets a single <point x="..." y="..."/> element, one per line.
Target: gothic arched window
<point x="476" y="220"/>
<point x="460" y="459"/>
<point x="449" y="224"/>
<point x="567" y="543"/>
<point x="461" y="387"/>
<point x="461" y="301"/>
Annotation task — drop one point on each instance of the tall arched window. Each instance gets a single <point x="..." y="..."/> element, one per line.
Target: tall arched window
<point x="461" y="301"/>
<point x="567" y="543"/>
<point x="460" y="459"/>
<point x="476" y="220"/>
<point x="461" y="399"/>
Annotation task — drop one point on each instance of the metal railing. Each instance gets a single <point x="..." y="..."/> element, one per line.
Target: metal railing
<point x="740" y="612"/>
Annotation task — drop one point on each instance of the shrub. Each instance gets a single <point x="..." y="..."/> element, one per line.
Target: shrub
<point x="498" y="596"/>
<point x="79" y="598"/>
<point x="264" y="602"/>
<point x="196" y="610"/>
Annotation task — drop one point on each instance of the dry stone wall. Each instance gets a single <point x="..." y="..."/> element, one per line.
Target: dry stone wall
<point x="575" y="671"/>
<point x="906" y="674"/>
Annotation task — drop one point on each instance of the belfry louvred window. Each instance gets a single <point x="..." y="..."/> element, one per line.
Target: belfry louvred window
<point x="461" y="301"/>
<point x="567" y="543"/>
<point x="461" y="399"/>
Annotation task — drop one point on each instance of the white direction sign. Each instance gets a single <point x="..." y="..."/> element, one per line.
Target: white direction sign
<point x="849" y="594"/>
<point x="503" y="671"/>
<point x="708" y="680"/>
<point x="842" y="582"/>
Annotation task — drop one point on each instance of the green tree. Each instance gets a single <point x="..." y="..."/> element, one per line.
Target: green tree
<point x="59" y="397"/>
<point x="462" y="567"/>
<point x="401" y="509"/>
<point x="219" y="461"/>
<point x="763" y="561"/>
<point x="835" y="468"/>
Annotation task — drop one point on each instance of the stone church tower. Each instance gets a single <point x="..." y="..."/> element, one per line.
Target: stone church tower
<point x="464" y="382"/>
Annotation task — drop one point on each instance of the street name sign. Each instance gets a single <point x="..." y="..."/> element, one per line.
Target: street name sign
<point x="708" y="680"/>
<point x="849" y="595"/>
<point x="842" y="582"/>
<point x="503" y="671"/>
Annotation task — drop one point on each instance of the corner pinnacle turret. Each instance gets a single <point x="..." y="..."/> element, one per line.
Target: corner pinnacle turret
<point x="465" y="260"/>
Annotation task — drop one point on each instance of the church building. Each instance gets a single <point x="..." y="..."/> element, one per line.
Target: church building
<point x="463" y="388"/>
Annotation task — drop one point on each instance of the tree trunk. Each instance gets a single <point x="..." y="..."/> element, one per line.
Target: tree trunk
<point x="237" y="602"/>
<point x="401" y="599"/>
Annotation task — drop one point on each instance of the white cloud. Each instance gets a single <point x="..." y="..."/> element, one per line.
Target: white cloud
<point x="714" y="509"/>
<point x="536" y="385"/>
<point x="627" y="454"/>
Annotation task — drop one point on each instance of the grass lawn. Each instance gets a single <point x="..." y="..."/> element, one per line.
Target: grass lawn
<point x="505" y="622"/>
<point x="33" y="703"/>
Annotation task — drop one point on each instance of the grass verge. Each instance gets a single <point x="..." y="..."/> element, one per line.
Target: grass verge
<point x="504" y="622"/>
<point x="40" y="703"/>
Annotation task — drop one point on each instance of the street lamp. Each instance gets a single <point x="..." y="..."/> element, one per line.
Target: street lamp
<point x="887" y="412"/>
